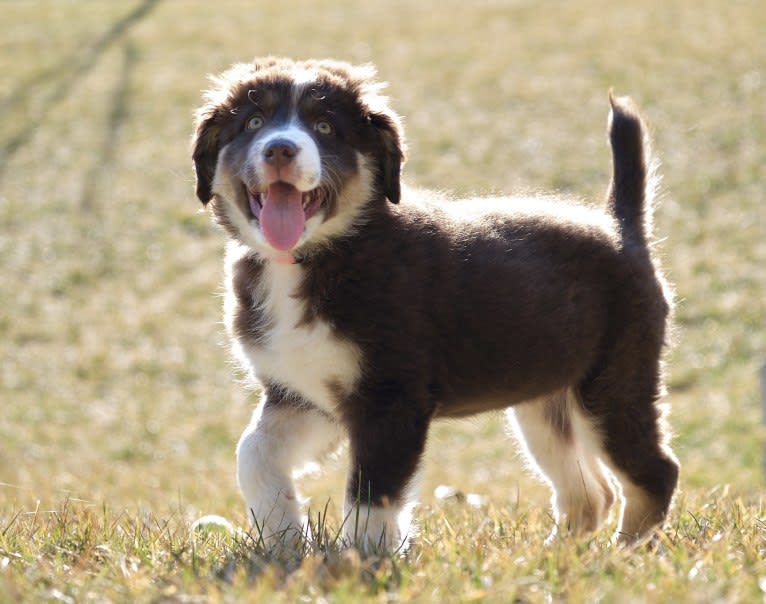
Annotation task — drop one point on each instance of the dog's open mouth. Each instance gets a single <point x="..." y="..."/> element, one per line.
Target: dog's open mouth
<point x="282" y="211"/>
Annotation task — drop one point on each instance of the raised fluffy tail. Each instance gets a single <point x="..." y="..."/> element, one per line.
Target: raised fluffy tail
<point x="631" y="191"/>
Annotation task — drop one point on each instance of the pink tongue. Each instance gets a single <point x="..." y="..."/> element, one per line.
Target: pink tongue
<point x="282" y="218"/>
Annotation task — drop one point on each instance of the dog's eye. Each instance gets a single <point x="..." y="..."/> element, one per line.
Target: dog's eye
<point x="324" y="127"/>
<point x="255" y="122"/>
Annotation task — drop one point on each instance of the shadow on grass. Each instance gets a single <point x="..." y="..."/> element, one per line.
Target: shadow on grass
<point x="68" y="72"/>
<point x="319" y="555"/>
<point x="106" y="154"/>
<point x="322" y="562"/>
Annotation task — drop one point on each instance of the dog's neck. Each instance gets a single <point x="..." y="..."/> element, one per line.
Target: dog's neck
<point x="282" y="258"/>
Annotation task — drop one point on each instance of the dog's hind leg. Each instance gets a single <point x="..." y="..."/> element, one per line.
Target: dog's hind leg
<point x="634" y="445"/>
<point x="558" y="443"/>
<point x="282" y="437"/>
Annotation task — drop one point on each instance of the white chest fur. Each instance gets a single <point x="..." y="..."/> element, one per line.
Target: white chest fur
<point x="306" y="358"/>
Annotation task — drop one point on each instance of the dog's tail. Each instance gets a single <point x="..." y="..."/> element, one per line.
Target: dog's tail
<point x="632" y="189"/>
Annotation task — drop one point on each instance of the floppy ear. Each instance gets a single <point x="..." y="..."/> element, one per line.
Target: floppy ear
<point x="205" y="148"/>
<point x="389" y="153"/>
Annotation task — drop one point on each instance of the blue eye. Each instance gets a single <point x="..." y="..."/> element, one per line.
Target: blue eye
<point x="255" y="122"/>
<point x="324" y="127"/>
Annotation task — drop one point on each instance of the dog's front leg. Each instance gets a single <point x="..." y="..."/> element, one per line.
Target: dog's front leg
<point x="387" y="443"/>
<point x="281" y="438"/>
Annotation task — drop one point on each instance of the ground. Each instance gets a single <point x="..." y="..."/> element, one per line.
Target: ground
<point x="120" y="406"/>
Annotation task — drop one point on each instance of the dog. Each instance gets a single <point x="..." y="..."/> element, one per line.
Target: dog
<point x="364" y="319"/>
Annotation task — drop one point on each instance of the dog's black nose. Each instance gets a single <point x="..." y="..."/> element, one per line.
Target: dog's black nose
<point x="280" y="151"/>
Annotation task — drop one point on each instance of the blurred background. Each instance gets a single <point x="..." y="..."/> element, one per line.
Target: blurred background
<point x="116" y="385"/>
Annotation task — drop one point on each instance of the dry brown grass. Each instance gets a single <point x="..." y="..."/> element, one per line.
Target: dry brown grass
<point x="115" y="385"/>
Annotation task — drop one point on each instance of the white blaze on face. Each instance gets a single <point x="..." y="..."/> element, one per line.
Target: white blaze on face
<point x="302" y="79"/>
<point x="282" y="199"/>
<point x="304" y="173"/>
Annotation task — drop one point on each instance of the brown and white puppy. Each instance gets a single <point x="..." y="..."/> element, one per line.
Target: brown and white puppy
<point x="364" y="319"/>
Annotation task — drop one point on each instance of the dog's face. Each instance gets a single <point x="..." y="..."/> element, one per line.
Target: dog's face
<point x="292" y="153"/>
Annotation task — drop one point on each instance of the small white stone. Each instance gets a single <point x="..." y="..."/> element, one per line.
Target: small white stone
<point x="475" y="500"/>
<point x="444" y="491"/>
<point x="213" y="524"/>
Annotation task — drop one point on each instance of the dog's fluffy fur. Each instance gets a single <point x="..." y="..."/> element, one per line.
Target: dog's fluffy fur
<point x="364" y="319"/>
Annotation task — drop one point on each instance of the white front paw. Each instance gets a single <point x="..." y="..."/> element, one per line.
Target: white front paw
<point x="376" y="528"/>
<point x="275" y="522"/>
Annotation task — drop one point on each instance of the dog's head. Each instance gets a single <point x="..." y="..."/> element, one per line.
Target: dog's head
<point x="291" y="154"/>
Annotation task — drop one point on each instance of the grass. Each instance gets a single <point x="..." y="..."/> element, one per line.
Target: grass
<point x="82" y="552"/>
<point x="119" y="411"/>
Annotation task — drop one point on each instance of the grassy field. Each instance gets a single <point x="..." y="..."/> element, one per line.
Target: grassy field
<point x="119" y="407"/>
